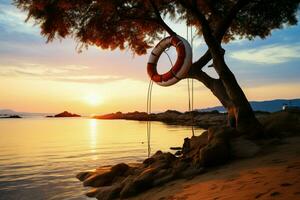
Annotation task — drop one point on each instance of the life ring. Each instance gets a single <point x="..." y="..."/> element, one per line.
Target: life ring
<point x="181" y="67"/>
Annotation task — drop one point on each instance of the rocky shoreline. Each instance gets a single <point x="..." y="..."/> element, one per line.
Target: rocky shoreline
<point x="217" y="146"/>
<point x="195" y="118"/>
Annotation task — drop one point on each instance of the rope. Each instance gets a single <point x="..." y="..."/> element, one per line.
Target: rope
<point x="190" y="88"/>
<point x="165" y="51"/>
<point x="192" y="46"/>
<point x="149" y="96"/>
<point x="190" y="94"/>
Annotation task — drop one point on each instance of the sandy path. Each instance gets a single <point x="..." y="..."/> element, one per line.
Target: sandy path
<point x="275" y="174"/>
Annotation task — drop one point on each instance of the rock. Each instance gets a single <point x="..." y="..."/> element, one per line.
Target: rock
<point x="66" y="114"/>
<point x="83" y="175"/>
<point x="160" y="160"/>
<point x="106" y="177"/>
<point x="129" y="188"/>
<point x="105" y="193"/>
<point x="98" y="180"/>
<point x="119" y="169"/>
<point x="179" y="167"/>
<point x="243" y="148"/>
<point x="148" y="161"/>
<point x="192" y="146"/>
<point x="200" y="140"/>
<point x="168" y="157"/>
<point x="186" y="147"/>
<point x="217" y="151"/>
<point x="162" y="179"/>
<point x="282" y="123"/>
<point x="178" y="153"/>
<point x="145" y="179"/>
<point x="221" y="132"/>
<point x="158" y="153"/>
<point x="93" y="192"/>
<point x="192" y="171"/>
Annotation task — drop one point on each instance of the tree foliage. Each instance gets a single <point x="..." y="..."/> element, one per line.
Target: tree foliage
<point x="136" y="24"/>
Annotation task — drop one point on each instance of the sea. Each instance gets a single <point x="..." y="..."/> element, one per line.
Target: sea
<point x="40" y="157"/>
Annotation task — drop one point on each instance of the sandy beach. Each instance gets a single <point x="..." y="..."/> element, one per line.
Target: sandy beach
<point x="274" y="174"/>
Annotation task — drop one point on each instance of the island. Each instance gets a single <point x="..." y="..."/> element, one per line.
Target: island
<point x="65" y="114"/>
<point x="10" y="116"/>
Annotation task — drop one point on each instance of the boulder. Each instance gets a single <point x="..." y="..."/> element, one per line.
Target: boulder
<point x="145" y="179"/>
<point x="217" y="151"/>
<point x="179" y="167"/>
<point x="106" y="177"/>
<point x="243" y="148"/>
<point x="186" y="147"/>
<point x="148" y="161"/>
<point x="84" y="175"/>
<point x="192" y="146"/>
<point x="129" y="188"/>
<point x="283" y="123"/>
<point x="105" y="193"/>
<point x="191" y="172"/>
<point x="162" y="180"/>
<point x="119" y="169"/>
<point x="221" y="133"/>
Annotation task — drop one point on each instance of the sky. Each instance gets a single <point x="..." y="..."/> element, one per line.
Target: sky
<point x="36" y="76"/>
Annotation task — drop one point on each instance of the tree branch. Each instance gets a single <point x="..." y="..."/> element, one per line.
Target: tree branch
<point x="220" y="31"/>
<point x="207" y="32"/>
<point x="215" y="85"/>
<point x="160" y="20"/>
<point x="201" y="76"/>
<point x="225" y="24"/>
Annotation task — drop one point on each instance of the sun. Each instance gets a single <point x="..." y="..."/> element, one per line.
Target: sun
<point x="93" y="99"/>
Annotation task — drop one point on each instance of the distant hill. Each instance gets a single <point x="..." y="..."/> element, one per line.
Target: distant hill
<point x="7" y="112"/>
<point x="268" y="106"/>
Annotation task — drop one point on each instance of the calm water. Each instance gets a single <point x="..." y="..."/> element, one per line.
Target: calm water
<point x="39" y="157"/>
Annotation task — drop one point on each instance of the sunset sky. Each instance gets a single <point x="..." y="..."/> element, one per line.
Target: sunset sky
<point x="53" y="77"/>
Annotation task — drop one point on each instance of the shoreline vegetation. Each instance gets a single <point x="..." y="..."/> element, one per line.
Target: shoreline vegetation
<point x="214" y="161"/>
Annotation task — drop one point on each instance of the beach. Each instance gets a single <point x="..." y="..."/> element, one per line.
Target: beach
<point x="274" y="174"/>
<point x="218" y="164"/>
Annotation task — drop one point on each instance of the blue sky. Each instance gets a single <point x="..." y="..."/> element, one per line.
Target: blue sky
<point x="269" y="64"/>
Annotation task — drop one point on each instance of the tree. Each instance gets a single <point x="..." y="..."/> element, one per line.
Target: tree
<point x="137" y="24"/>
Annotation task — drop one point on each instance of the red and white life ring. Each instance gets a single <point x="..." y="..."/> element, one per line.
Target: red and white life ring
<point x="181" y="67"/>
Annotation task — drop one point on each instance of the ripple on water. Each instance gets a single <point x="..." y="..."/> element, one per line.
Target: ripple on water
<point x="39" y="158"/>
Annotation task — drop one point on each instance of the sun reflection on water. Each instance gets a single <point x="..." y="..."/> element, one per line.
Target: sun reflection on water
<point x="93" y="138"/>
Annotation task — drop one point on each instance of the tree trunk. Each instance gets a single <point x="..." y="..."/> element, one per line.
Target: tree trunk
<point x="226" y="88"/>
<point x="240" y="113"/>
<point x="232" y="97"/>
